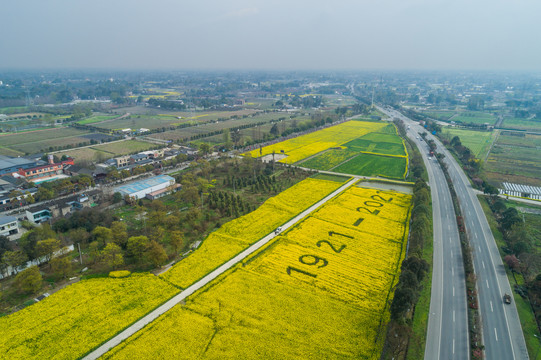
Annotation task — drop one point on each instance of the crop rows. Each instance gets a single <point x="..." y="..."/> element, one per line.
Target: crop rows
<point x="301" y="147"/>
<point x="321" y="291"/>
<point x="76" y="319"/>
<point x="238" y="234"/>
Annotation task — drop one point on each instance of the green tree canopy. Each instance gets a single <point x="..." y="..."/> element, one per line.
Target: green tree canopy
<point x="29" y="280"/>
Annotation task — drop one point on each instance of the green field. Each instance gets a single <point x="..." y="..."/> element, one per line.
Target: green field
<point x="10" y="152"/>
<point x="475" y="117"/>
<point x="439" y="114"/>
<point x="374" y="165"/>
<point x="351" y="157"/>
<point x="139" y="121"/>
<point x="106" y="151"/>
<point x="477" y="141"/>
<point x="12" y="109"/>
<point x="43" y="140"/>
<point x="522" y="124"/>
<point x="520" y="139"/>
<point x="96" y="119"/>
<point x="188" y="132"/>
<point x="331" y="177"/>
<point x="258" y="132"/>
<point x="517" y="161"/>
<point x="329" y="159"/>
<point x="515" y="158"/>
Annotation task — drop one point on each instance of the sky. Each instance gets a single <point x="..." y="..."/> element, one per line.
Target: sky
<point x="271" y="34"/>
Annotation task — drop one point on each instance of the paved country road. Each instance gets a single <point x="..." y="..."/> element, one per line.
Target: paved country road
<point x="147" y="319"/>
<point x="502" y="334"/>
<point x="447" y="334"/>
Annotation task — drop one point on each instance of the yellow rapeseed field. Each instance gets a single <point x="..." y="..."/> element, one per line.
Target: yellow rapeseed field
<point x="76" y="319"/>
<point x="250" y="316"/>
<point x="307" y="145"/>
<point x="322" y="291"/>
<point x="238" y="234"/>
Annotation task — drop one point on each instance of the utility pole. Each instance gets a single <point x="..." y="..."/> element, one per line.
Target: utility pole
<point x="80" y="254"/>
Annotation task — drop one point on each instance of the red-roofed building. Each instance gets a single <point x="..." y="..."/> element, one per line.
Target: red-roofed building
<point x="45" y="171"/>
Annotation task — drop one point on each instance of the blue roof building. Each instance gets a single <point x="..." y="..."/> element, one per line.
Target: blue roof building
<point x="139" y="189"/>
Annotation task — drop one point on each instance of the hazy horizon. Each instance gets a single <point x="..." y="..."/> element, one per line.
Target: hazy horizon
<point x="432" y="35"/>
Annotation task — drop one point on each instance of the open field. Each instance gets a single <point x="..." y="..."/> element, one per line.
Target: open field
<point x="375" y="165"/>
<point x="338" y="100"/>
<point x="238" y="234"/>
<point x="107" y="151"/>
<point x="477" y="141"/>
<point x="42" y="140"/>
<point x="522" y="124"/>
<point x="258" y="132"/>
<point x="76" y="319"/>
<point x="475" y="117"/>
<point x="12" y="109"/>
<point x="10" y="152"/>
<point x="321" y="291"/>
<point x="259" y="103"/>
<point x="139" y="121"/>
<point x="515" y="158"/>
<point x="439" y="114"/>
<point x="96" y="119"/>
<point x="208" y="115"/>
<point x="304" y="146"/>
<point x="361" y="156"/>
<point x="520" y="139"/>
<point x="517" y="161"/>
<point x="188" y="132"/>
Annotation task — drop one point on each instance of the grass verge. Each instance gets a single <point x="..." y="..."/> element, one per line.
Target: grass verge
<point x="416" y="348"/>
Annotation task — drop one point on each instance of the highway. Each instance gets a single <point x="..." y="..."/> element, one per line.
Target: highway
<point x="447" y="334"/>
<point x="502" y="333"/>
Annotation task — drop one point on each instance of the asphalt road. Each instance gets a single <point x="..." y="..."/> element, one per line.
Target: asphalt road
<point x="153" y="315"/>
<point x="502" y="333"/>
<point x="447" y="335"/>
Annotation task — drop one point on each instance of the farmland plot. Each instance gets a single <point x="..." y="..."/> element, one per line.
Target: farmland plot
<point x="42" y="140"/>
<point x="238" y="234"/>
<point x="76" y="319"/>
<point x="380" y="153"/>
<point x="304" y="146"/>
<point x="321" y="291"/>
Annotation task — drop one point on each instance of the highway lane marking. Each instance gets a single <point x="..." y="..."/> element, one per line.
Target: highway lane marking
<point x="482" y="262"/>
<point x="451" y="253"/>
<point x="496" y="333"/>
<point x="475" y="235"/>
<point x="453" y="291"/>
<point x="449" y="227"/>
<point x="487" y="284"/>
<point x="453" y="316"/>
<point x="477" y="210"/>
<point x="453" y="271"/>
<point x="479" y="247"/>
<point x="453" y="345"/>
<point x="491" y="307"/>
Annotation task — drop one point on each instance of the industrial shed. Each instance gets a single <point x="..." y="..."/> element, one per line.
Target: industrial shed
<point x="139" y="189"/>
